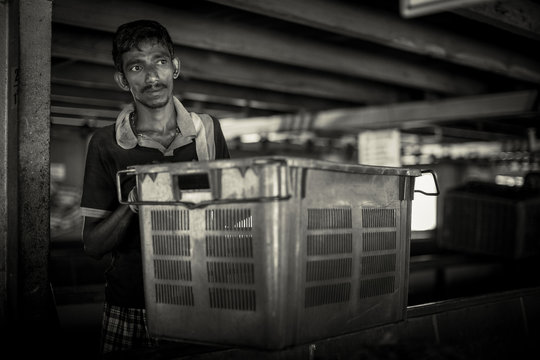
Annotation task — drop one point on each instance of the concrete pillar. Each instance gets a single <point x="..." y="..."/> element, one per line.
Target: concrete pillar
<point x="34" y="140"/>
<point x="9" y="80"/>
<point x="26" y="303"/>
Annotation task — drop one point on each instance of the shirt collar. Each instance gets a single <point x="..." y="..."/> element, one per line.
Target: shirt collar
<point x="126" y="138"/>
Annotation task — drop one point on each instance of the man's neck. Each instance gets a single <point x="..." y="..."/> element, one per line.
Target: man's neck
<point x="159" y="120"/>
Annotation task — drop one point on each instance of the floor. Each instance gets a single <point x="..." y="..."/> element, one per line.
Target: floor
<point x="78" y="289"/>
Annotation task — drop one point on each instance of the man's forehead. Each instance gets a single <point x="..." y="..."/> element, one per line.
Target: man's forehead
<point x="148" y="46"/>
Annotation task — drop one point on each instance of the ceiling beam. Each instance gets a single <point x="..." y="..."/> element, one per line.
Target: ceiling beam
<point x="353" y="19"/>
<point x="85" y="101"/>
<point x="233" y="70"/>
<point x="85" y="112"/>
<point x="80" y="121"/>
<point x="237" y="38"/>
<point x="90" y="86"/>
<point x="75" y="99"/>
<point x="100" y="94"/>
<point x="406" y="115"/>
<point x="79" y="110"/>
<point x="195" y="90"/>
<point x="447" y="134"/>
<point x="521" y="17"/>
<point x="470" y="108"/>
<point x="298" y="102"/>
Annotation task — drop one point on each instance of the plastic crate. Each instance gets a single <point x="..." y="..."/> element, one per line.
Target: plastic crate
<point x="270" y="252"/>
<point x="490" y="219"/>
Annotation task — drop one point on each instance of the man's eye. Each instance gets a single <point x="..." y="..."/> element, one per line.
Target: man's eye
<point x="162" y="61"/>
<point x="135" y="68"/>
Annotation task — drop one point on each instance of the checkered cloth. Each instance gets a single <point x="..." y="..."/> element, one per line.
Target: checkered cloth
<point x="123" y="329"/>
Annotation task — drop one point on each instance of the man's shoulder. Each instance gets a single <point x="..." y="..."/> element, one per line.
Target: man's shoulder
<point x="209" y="118"/>
<point x="104" y="133"/>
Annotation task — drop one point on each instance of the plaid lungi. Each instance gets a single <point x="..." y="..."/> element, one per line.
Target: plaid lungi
<point x="124" y="328"/>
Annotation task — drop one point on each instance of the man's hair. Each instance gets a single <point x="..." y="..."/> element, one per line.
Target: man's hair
<point x="134" y="33"/>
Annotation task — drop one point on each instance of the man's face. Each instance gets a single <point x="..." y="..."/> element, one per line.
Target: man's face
<point x="149" y="70"/>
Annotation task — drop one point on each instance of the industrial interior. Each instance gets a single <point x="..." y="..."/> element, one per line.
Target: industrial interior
<point x="445" y="89"/>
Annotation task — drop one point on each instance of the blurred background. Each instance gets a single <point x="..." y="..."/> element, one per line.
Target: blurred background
<point x="449" y="86"/>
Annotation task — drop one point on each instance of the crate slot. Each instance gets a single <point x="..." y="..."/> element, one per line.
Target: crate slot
<point x="329" y="244"/>
<point x="174" y="294"/>
<point x="172" y="270"/>
<point x="376" y="287"/>
<point x="233" y="246"/>
<point x="169" y="219"/>
<point x="228" y="219"/>
<point x="338" y="218"/>
<point x="377" y="218"/>
<point x="193" y="182"/>
<point x="376" y="264"/>
<point x="327" y="294"/>
<point x="378" y="241"/>
<point x="177" y="245"/>
<point x="230" y="273"/>
<point x="232" y="299"/>
<point x="328" y="269"/>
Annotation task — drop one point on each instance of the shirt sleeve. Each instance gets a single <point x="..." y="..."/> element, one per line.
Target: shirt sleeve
<point x="99" y="197"/>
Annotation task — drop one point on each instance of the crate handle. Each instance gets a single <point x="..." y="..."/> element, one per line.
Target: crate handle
<point x="437" y="192"/>
<point x="204" y="203"/>
<point x="269" y="161"/>
<point x="201" y="204"/>
<point x="125" y="172"/>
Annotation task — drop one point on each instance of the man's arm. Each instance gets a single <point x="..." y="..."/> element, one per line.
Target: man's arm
<point x="104" y="229"/>
<point x="103" y="235"/>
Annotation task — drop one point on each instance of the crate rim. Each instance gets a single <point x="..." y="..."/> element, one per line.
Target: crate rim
<point x="285" y="160"/>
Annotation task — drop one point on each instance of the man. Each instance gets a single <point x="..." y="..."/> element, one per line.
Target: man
<point x="155" y="128"/>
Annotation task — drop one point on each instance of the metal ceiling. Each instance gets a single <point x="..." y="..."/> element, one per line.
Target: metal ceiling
<point x="333" y="67"/>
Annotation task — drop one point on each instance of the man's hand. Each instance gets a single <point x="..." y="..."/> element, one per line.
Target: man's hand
<point x="132" y="197"/>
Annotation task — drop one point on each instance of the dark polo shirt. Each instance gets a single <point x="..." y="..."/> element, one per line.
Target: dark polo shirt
<point x="114" y="148"/>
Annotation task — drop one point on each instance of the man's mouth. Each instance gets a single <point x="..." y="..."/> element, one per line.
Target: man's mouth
<point x="154" y="88"/>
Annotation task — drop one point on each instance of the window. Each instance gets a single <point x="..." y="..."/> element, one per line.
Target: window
<point x="424" y="207"/>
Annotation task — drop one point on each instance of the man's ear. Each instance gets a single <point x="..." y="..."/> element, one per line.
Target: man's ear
<point x="176" y="65"/>
<point x="121" y="80"/>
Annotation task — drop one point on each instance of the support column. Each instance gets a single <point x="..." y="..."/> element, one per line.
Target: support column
<point x="27" y="311"/>
<point x="35" y="303"/>
<point x="9" y="83"/>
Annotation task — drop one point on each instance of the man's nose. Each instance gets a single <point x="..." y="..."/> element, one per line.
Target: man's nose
<point x="151" y="74"/>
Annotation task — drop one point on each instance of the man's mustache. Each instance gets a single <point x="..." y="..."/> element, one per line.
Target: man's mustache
<point x="155" y="86"/>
